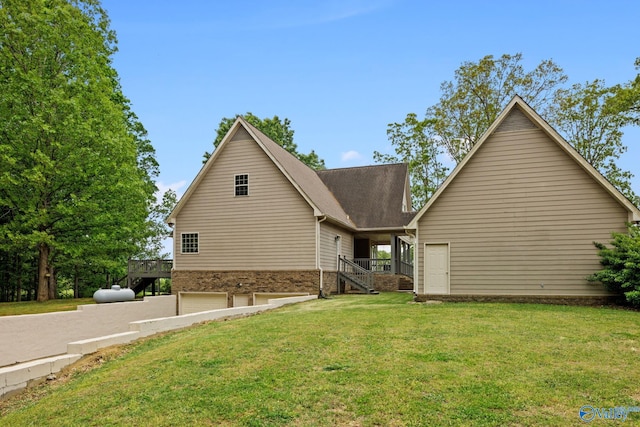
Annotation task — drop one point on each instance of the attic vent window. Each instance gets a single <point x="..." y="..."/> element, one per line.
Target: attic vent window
<point x="242" y="185"/>
<point x="189" y="243"/>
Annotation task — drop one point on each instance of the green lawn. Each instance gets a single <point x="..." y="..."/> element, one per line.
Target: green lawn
<point x="34" y="307"/>
<point x="360" y="360"/>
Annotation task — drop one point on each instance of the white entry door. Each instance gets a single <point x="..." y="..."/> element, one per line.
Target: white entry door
<point x="436" y="268"/>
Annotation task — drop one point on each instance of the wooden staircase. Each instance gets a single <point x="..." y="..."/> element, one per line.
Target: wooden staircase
<point x="142" y="273"/>
<point x="356" y="276"/>
<point x="139" y="284"/>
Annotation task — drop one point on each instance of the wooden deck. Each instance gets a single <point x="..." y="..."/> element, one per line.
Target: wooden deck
<point x="143" y="272"/>
<point x="153" y="268"/>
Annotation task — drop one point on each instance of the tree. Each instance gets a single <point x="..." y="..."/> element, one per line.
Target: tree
<point x="278" y="130"/>
<point x="76" y="171"/>
<point x="470" y="104"/>
<point x="626" y="100"/>
<point x="160" y="230"/>
<point x="621" y="265"/>
<point x="590" y="116"/>
<point x="584" y="116"/>
<point x="416" y="144"/>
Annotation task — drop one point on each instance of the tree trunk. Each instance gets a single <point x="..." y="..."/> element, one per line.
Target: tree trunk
<point x="19" y="278"/>
<point x="43" y="272"/>
<point x="53" y="283"/>
<point x="19" y="289"/>
<point x="5" y="281"/>
<point x="76" y="283"/>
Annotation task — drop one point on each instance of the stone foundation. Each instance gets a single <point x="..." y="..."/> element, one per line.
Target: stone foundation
<point x="329" y="282"/>
<point x="537" y="299"/>
<point x="392" y="283"/>
<point x="245" y="282"/>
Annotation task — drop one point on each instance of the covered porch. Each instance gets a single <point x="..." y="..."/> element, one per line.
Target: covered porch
<point x="384" y="253"/>
<point x="382" y="262"/>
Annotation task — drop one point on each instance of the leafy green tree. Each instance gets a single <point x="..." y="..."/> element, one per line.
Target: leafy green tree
<point x="584" y="116"/>
<point x="627" y="99"/>
<point x="278" y="130"/>
<point x="160" y="230"/>
<point x="416" y="143"/>
<point x="621" y="265"/>
<point x="590" y="116"/>
<point x="76" y="171"/>
<point x="382" y="254"/>
<point x="480" y="90"/>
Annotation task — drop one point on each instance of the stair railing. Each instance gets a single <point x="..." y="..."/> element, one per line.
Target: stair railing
<point x="362" y="277"/>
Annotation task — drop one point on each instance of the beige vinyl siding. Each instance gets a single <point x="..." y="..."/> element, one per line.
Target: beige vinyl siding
<point x="271" y="228"/>
<point x="521" y="218"/>
<point x="328" y="233"/>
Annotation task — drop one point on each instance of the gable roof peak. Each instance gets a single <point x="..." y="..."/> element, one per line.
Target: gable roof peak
<point x="518" y="103"/>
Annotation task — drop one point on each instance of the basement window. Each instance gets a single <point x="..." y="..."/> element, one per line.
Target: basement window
<point x="242" y="185"/>
<point x="189" y="243"/>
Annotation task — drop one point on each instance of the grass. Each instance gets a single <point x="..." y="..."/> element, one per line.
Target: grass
<point x="34" y="307"/>
<point x="358" y="361"/>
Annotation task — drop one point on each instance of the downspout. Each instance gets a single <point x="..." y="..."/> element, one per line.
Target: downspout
<point x="322" y="219"/>
<point x="171" y="222"/>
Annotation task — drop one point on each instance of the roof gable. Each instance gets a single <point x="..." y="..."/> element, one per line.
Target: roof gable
<point x="517" y="116"/>
<point x="303" y="178"/>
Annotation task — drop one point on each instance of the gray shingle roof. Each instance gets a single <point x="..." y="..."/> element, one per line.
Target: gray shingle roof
<point x="371" y="195"/>
<point x="305" y="177"/>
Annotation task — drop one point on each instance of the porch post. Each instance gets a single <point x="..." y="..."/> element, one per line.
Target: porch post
<point x="406" y="253"/>
<point x="394" y="254"/>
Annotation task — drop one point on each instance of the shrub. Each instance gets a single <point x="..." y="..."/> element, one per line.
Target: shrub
<point x="621" y="265"/>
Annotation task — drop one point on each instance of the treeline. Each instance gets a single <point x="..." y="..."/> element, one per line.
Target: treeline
<point x="590" y="116"/>
<point x="77" y="191"/>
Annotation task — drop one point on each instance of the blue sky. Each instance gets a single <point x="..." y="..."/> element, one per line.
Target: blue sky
<point x="341" y="70"/>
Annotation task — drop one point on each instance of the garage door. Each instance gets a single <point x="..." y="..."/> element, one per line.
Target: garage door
<point x="241" y="300"/>
<point x="194" y="302"/>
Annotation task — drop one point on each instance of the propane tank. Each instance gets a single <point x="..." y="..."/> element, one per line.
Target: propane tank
<point x="115" y="294"/>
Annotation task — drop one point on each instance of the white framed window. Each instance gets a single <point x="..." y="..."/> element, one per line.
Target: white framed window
<point x="189" y="243"/>
<point x="242" y="184"/>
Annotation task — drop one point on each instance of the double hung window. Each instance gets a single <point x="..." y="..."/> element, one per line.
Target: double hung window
<point x="242" y="185"/>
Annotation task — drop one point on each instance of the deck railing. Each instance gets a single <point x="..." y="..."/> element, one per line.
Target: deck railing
<point x="406" y="269"/>
<point x="383" y="265"/>
<point x="152" y="267"/>
<point x="375" y="265"/>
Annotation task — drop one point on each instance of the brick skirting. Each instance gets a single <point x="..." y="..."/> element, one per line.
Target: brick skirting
<point x="392" y="283"/>
<point x="538" y="299"/>
<point x="245" y="282"/>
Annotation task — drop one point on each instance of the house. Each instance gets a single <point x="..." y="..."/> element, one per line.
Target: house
<point x="257" y="223"/>
<point x="517" y="218"/>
